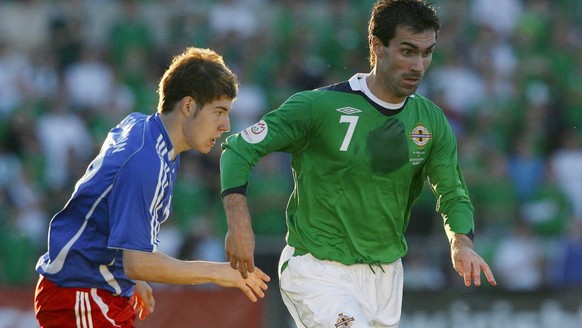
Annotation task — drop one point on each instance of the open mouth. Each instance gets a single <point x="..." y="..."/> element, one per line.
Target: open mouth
<point x="411" y="81"/>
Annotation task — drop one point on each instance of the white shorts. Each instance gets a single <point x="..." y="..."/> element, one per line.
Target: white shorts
<point x="329" y="294"/>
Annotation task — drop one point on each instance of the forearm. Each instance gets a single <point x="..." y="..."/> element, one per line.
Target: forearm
<point x="453" y="202"/>
<point x="237" y="212"/>
<point x="161" y="268"/>
<point x="240" y="240"/>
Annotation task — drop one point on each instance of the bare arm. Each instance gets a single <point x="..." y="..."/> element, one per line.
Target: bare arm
<point x="161" y="268"/>
<point x="240" y="240"/>
<point x="468" y="263"/>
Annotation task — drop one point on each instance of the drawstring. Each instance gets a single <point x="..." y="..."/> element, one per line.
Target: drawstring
<point x="371" y="266"/>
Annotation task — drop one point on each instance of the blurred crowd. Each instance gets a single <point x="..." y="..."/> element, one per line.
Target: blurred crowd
<point x="508" y="74"/>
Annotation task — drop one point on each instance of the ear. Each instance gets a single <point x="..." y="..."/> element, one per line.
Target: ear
<point x="187" y="106"/>
<point x="377" y="46"/>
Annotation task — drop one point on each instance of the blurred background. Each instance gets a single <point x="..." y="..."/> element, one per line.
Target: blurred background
<point x="508" y="74"/>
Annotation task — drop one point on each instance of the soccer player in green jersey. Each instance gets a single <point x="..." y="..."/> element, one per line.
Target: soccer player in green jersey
<point x="361" y="152"/>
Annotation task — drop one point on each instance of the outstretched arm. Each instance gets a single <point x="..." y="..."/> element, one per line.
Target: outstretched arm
<point x="240" y="240"/>
<point x="161" y="268"/>
<point x="468" y="263"/>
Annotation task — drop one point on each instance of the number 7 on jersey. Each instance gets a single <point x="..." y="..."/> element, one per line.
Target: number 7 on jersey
<point x="352" y="121"/>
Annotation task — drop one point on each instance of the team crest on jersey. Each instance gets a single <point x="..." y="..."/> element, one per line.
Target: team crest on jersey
<point x="420" y="135"/>
<point x="255" y="133"/>
<point x="348" y="110"/>
<point x="344" y="321"/>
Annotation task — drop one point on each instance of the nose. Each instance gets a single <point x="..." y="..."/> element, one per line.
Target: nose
<point x="225" y="125"/>
<point x="417" y="64"/>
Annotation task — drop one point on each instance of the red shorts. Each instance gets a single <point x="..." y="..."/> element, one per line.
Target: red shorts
<point x="60" y="307"/>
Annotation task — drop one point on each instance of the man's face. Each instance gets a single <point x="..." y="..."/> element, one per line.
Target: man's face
<point x="401" y="65"/>
<point x="205" y="126"/>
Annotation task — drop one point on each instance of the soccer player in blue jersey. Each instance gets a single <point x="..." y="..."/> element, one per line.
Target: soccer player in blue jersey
<point x="103" y="245"/>
<point x="361" y="153"/>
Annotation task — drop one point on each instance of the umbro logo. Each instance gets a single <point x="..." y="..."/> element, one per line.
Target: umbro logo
<point x="348" y="110"/>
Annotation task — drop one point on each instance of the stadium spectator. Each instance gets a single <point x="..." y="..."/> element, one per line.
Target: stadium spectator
<point x="566" y="165"/>
<point x="461" y="87"/>
<point x="569" y="257"/>
<point x="89" y="82"/>
<point x="233" y="20"/>
<point x="519" y="251"/>
<point x="129" y="34"/>
<point x="500" y="15"/>
<point x="526" y="166"/>
<point x="66" y="27"/>
<point x="63" y="136"/>
<point x="14" y="86"/>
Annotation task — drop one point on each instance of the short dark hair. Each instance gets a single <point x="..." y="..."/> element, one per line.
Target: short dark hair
<point x="199" y="73"/>
<point x="388" y="15"/>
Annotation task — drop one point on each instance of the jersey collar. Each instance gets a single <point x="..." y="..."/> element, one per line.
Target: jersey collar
<point x="168" y="142"/>
<point x="358" y="83"/>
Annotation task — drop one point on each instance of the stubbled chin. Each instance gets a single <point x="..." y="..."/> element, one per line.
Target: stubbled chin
<point x="409" y="89"/>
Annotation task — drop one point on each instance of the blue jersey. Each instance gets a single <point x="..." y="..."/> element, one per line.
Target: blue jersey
<point x="118" y="204"/>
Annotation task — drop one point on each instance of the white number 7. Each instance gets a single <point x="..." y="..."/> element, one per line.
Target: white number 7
<point x="352" y="120"/>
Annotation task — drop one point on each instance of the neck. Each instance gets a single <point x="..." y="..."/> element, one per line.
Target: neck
<point x="378" y="89"/>
<point x="170" y="126"/>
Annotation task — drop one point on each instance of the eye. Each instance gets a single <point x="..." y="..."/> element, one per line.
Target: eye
<point x="407" y="52"/>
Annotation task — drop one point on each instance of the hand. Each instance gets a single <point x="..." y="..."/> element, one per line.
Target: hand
<point x="240" y="249"/>
<point x="252" y="286"/>
<point x="143" y="299"/>
<point x="240" y="240"/>
<point x="468" y="263"/>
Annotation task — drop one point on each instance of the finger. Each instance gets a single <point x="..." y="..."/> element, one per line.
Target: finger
<point x="148" y="307"/>
<point x="144" y="314"/>
<point x="233" y="261"/>
<point x="258" y="287"/>
<point x="461" y="269"/>
<point x="488" y="274"/>
<point x="467" y="278"/>
<point x="152" y="304"/>
<point x="242" y="268"/>
<point x="262" y="275"/>
<point x="249" y="292"/>
<point x="476" y="273"/>
<point x="132" y="301"/>
<point x="250" y="265"/>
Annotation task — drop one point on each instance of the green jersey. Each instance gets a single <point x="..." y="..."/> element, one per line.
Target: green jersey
<point x="358" y="165"/>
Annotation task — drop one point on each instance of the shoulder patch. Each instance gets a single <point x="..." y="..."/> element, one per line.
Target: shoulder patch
<point x="255" y="133"/>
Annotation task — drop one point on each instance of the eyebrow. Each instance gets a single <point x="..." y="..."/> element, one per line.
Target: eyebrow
<point x="414" y="46"/>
